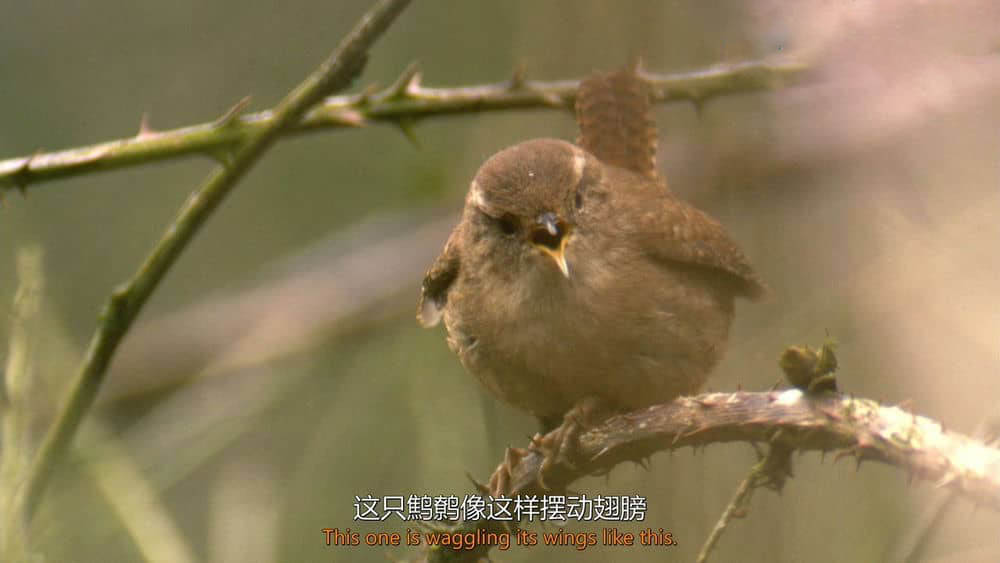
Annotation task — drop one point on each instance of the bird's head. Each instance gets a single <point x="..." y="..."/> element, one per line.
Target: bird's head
<point x="524" y="203"/>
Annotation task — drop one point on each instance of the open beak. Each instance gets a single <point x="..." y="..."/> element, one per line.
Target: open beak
<point x="550" y="236"/>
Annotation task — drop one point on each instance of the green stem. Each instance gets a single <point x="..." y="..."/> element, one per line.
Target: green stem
<point x="17" y="386"/>
<point x="772" y="469"/>
<point x="336" y="73"/>
<point x="401" y="104"/>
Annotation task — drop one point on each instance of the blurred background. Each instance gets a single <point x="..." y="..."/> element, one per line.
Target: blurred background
<point x="278" y="371"/>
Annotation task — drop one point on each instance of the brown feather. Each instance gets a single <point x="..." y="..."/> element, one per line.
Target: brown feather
<point x="615" y="120"/>
<point x="434" y="290"/>
<point x="673" y="231"/>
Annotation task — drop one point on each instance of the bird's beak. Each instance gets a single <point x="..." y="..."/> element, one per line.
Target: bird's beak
<point x="550" y="236"/>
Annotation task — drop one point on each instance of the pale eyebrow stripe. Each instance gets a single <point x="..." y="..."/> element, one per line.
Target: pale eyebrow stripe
<point x="476" y="195"/>
<point x="579" y="161"/>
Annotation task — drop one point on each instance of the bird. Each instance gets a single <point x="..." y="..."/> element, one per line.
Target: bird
<point x="576" y="283"/>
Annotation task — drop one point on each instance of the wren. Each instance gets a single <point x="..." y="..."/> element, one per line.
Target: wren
<point x="575" y="275"/>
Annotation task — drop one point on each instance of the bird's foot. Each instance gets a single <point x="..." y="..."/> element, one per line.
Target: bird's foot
<point x="560" y="446"/>
<point x="500" y="482"/>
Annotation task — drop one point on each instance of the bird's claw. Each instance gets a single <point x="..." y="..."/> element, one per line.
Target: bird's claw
<point x="560" y="446"/>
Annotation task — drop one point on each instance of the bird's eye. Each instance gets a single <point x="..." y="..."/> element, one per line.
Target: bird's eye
<point x="507" y="223"/>
<point x="578" y="200"/>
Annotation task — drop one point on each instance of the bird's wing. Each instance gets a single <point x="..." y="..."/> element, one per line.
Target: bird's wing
<point x="434" y="290"/>
<point x="677" y="232"/>
<point x="616" y="125"/>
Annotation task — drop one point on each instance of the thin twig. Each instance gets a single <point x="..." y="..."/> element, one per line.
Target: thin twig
<point x="15" y="390"/>
<point x="740" y="498"/>
<point x="762" y="473"/>
<point x="401" y="104"/>
<point x="334" y="74"/>
<point x="133" y="496"/>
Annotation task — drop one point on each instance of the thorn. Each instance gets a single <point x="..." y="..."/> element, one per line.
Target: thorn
<point x="407" y="83"/>
<point x="405" y="126"/>
<point x="348" y="117"/>
<point x="222" y="155"/>
<point x="517" y="78"/>
<point x="945" y="481"/>
<point x="676" y="439"/>
<point x="482" y="488"/>
<point x="145" y="130"/>
<point x="551" y="99"/>
<point x="366" y="95"/>
<point x="699" y="106"/>
<point x="19" y="177"/>
<point x="695" y="432"/>
<point x="841" y="454"/>
<point x="232" y="113"/>
<point x="603" y="451"/>
<point x="642" y="462"/>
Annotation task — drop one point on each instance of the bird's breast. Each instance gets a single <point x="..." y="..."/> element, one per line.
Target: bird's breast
<point x="630" y="335"/>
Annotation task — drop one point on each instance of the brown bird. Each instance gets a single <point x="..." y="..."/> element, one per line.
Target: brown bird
<point x="576" y="280"/>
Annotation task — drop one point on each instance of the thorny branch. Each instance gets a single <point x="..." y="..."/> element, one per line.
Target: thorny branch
<point x="334" y="74"/>
<point x="790" y="419"/>
<point x="402" y="104"/>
